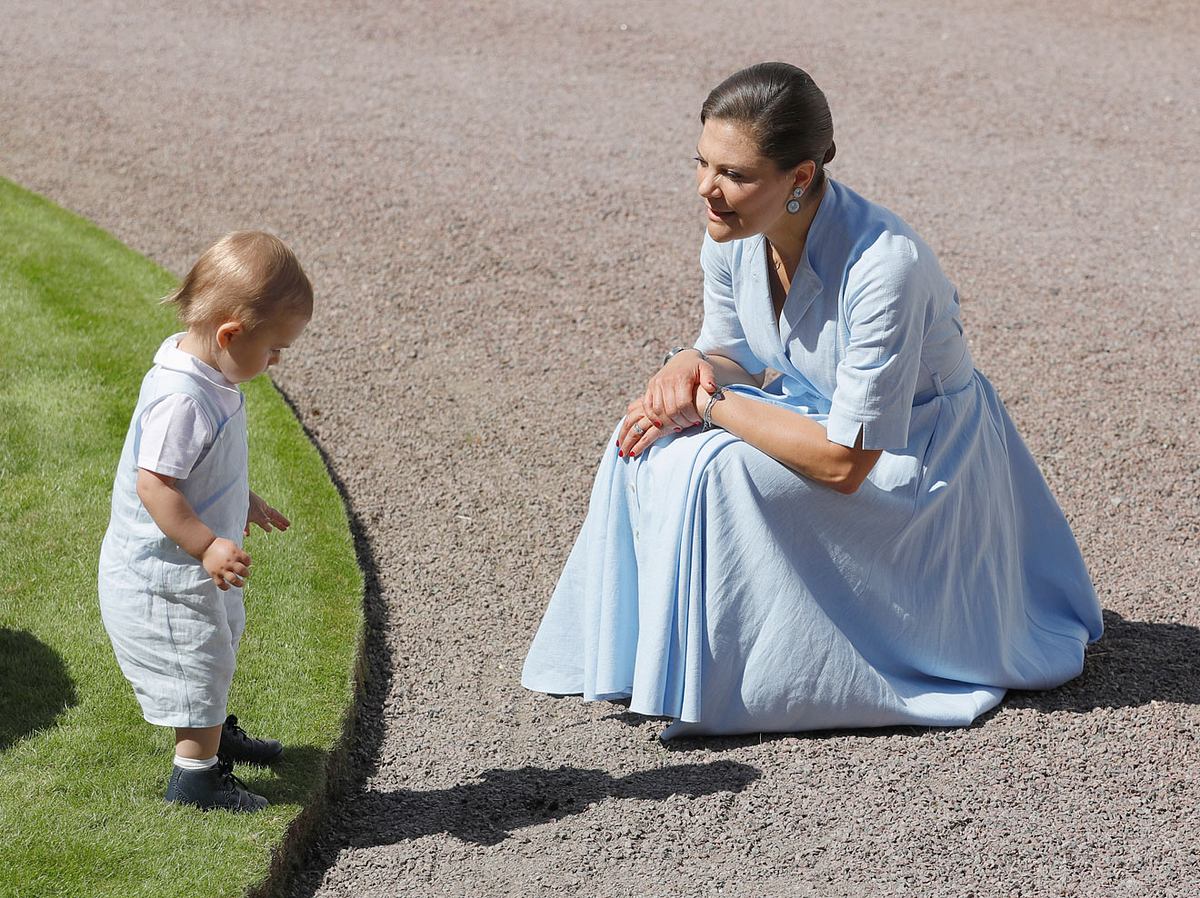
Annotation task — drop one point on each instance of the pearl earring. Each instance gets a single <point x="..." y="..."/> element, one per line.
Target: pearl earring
<point x="793" y="205"/>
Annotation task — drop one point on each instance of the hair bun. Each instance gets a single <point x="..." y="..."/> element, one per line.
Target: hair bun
<point x="830" y="153"/>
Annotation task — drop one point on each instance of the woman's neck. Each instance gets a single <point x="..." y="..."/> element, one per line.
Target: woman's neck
<point x="789" y="237"/>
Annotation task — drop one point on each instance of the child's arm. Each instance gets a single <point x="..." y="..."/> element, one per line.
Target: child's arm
<point x="223" y="559"/>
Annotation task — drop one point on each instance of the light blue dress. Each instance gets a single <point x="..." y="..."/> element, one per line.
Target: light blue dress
<point x="715" y="586"/>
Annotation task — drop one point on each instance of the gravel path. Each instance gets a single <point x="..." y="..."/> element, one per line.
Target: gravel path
<point x="496" y="204"/>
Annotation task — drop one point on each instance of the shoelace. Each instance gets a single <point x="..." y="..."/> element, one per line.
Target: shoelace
<point x="231" y="779"/>
<point x="234" y="729"/>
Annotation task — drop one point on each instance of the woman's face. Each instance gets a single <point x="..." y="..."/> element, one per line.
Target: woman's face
<point x="744" y="192"/>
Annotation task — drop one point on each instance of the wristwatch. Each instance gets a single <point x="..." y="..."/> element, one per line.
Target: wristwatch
<point x="678" y="349"/>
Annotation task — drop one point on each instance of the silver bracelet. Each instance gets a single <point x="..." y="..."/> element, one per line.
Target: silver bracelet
<point x="678" y="349"/>
<point x="706" y="420"/>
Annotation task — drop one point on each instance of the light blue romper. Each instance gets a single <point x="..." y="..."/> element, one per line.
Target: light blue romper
<point x="174" y="632"/>
<point x="715" y="586"/>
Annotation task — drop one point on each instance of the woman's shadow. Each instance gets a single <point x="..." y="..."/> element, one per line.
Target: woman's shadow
<point x="487" y="811"/>
<point x="34" y="686"/>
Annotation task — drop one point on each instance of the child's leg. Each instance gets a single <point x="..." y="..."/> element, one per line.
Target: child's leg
<point x="197" y="743"/>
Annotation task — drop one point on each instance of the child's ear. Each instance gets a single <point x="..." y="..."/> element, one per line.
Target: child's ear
<point x="227" y="331"/>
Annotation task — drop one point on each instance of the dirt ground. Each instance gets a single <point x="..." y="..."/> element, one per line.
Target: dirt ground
<point x="496" y="204"/>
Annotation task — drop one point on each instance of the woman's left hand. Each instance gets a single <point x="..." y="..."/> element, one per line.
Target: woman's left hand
<point x="637" y="432"/>
<point x="264" y="516"/>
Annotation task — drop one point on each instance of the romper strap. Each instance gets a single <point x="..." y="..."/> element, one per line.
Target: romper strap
<point x="167" y="382"/>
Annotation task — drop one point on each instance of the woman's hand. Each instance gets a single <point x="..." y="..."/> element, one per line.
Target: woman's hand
<point x="638" y="432"/>
<point x="669" y="400"/>
<point x="264" y="516"/>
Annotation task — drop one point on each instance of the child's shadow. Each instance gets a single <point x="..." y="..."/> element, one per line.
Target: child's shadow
<point x="34" y="686"/>
<point x="487" y="811"/>
<point x="297" y="778"/>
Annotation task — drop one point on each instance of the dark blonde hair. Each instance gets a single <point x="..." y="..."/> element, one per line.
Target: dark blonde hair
<point x="785" y="111"/>
<point x="246" y="276"/>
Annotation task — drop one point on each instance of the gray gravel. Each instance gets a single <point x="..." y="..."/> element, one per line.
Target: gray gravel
<point x="496" y="204"/>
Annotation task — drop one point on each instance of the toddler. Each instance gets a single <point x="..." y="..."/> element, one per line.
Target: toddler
<point x="172" y="565"/>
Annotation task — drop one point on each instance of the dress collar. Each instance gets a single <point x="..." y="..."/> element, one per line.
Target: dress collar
<point x="806" y="284"/>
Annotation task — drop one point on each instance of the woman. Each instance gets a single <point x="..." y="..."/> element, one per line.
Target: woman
<point x="866" y="541"/>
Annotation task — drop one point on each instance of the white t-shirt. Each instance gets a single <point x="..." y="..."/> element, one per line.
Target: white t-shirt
<point x="175" y="429"/>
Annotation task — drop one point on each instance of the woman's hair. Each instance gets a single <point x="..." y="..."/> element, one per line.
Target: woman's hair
<point x="246" y="276"/>
<point x="786" y="112"/>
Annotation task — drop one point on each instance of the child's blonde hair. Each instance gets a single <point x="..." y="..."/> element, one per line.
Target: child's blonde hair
<point x="246" y="276"/>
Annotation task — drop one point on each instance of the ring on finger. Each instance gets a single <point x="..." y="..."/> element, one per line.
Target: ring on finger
<point x="638" y="429"/>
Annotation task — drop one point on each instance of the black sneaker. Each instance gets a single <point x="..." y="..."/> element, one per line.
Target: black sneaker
<point x="238" y="745"/>
<point x="213" y="788"/>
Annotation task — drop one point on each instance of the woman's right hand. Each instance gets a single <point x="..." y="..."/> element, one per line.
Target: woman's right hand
<point x="226" y="563"/>
<point x="670" y="397"/>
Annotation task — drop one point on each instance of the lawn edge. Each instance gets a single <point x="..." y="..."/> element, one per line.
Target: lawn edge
<point x="339" y="770"/>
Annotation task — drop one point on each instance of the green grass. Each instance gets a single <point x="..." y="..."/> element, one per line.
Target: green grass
<point x="81" y="774"/>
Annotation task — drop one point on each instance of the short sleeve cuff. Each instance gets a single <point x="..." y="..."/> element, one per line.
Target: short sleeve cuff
<point x="742" y="355"/>
<point x="166" y="470"/>
<point x="172" y="435"/>
<point x="881" y="433"/>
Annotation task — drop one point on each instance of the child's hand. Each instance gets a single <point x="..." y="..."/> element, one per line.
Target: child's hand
<point x="264" y="516"/>
<point x="226" y="563"/>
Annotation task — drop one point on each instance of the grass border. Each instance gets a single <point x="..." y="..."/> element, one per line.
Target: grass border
<point x="340" y="773"/>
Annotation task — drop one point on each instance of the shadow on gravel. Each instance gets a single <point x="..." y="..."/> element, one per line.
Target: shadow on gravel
<point x="299" y="866"/>
<point x="1134" y="663"/>
<point x="366" y="732"/>
<point x="709" y="744"/>
<point x="487" y="812"/>
<point x="34" y="686"/>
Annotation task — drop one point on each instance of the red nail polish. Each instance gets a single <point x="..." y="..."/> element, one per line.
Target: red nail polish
<point x="678" y="429"/>
<point x="658" y="423"/>
<point x="620" y="454"/>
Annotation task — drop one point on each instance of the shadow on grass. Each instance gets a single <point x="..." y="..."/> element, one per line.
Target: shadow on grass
<point x="292" y="776"/>
<point x="503" y="800"/>
<point x="34" y="686"/>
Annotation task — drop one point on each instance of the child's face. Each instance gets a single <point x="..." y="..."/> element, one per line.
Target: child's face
<point x="246" y="354"/>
